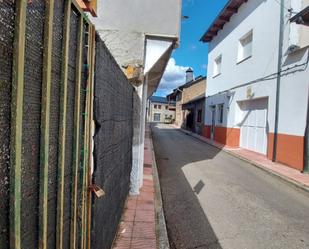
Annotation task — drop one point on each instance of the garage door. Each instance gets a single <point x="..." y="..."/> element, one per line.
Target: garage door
<point x="254" y="125"/>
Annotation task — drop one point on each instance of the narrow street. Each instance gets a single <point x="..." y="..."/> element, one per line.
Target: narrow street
<point x="213" y="200"/>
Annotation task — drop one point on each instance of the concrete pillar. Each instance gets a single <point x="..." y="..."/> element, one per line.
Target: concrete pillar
<point x="139" y="119"/>
<point x="137" y="103"/>
<point x="142" y="134"/>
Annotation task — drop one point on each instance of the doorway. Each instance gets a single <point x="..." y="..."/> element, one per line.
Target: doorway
<point x="213" y="122"/>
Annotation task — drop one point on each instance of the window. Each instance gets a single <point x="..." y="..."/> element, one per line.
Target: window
<point x="157" y="117"/>
<point x="217" y="65"/>
<point x="220" y="114"/>
<point x="159" y="106"/>
<point x="245" y="47"/>
<point x="155" y="106"/>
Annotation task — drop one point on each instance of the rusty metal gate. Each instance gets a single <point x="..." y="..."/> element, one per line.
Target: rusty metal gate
<point x="46" y="88"/>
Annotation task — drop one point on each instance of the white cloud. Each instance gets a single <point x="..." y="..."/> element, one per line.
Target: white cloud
<point x="174" y="76"/>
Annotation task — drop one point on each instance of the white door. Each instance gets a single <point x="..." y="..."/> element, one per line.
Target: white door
<point x="253" y="132"/>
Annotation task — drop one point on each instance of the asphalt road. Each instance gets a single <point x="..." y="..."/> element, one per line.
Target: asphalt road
<point x="213" y="200"/>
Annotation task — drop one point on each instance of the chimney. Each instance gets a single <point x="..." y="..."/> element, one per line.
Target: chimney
<point x="189" y="75"/>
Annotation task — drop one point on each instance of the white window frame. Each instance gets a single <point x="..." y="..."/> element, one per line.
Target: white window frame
<point x="245" y="47"/>
<point x="217" y="65"/>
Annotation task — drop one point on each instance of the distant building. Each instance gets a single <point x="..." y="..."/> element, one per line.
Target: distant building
<point x="160" y="110"/>
<point x="190" y="103"/>
<point x="247" y="104"/>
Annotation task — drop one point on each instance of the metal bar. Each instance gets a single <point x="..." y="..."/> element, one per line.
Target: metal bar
<point x="91" y="88"/>
<point x="62" y="125"/>
<point x="278" y="84"/>
<point x="16" y="122"/>
<point x="83" y="186"/>
<point x="76" y="147"/>
<point x="306" y="147"/>
<point x="44" y="150"/>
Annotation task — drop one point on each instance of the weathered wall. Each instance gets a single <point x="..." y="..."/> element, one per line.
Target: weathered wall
<point x="188" y="93"/>
<point x="125" y="36"/>
<point x="195" y="90"/>
<point x="113" y="110"/>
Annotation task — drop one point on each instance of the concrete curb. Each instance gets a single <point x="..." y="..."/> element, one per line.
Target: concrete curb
<point x="161" y="232"/>
<point x="291" y="182"/>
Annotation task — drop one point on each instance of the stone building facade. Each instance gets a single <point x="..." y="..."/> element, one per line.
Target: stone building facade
<point x="160" y="110"/>
<point x="190" y="99"/>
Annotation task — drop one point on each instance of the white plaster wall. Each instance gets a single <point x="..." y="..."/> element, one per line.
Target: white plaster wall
<point x="264" y="21"/>
<point x="261" y="16"/>
<point x="142" y="16"/>
<point x="294" y="95"/>
<point x="123" y="25"/>
<point x="126" y="47"/>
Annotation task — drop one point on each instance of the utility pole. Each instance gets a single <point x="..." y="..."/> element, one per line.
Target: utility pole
<point x="306" y="161"/>
<point x="279" y="68"/>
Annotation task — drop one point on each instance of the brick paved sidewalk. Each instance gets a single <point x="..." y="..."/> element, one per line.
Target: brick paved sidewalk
<point x="137" y="229"/>
<point x="293" y="176"/>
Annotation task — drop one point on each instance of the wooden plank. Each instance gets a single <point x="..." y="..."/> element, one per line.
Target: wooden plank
<point x="80" y="10"/>
<point x="16" y="124"/>
<point x="84" y="150"/>
<point x="76" y="147"/>
<point x="44" y="150"/>
<point x="62" y="125"/>
<point x="90" y="141"/>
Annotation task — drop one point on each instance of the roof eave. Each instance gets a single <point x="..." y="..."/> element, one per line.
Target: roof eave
<point x="224" y="16"/>
<point x="302" y="17"/>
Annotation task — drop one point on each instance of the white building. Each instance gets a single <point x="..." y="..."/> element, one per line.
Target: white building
<point x="161" y="110"/>
<point x="141" y="35"/>
<point x="247" y="105"/>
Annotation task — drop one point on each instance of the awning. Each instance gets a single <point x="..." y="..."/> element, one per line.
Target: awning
<point x="302" y="17"/>
<point x="158" y="53"/>
<point x="191" y="103"/>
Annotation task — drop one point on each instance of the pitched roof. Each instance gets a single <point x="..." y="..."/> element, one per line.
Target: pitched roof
<point x="302" y="17"/>
<point x="158" y="99"/>
<point x="186" y="85"/>
<point x="225" y="15"/>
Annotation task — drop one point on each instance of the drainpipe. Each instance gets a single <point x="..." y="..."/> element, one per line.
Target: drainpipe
<point x="279" y="68"/>
<point x="306" y="161"/>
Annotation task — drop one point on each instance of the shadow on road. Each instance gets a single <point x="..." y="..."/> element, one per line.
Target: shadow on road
<point x="187" y="224"/>
<point x="213" y="200"/>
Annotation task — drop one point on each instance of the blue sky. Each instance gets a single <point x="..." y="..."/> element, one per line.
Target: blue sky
<point x="192" y="52"/>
